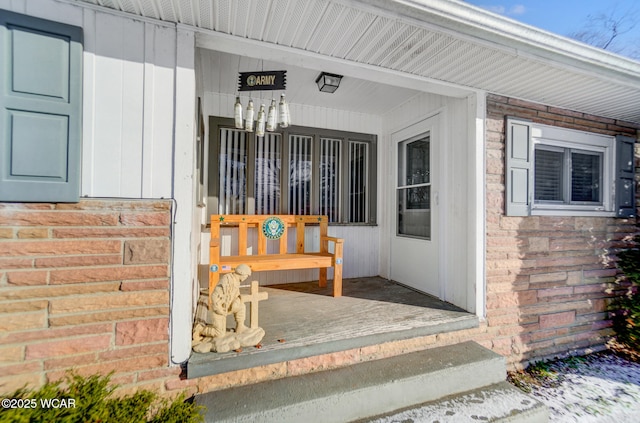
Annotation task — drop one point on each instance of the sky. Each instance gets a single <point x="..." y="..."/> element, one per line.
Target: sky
<point x="564" y="17"/>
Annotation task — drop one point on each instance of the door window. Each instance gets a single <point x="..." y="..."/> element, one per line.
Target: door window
<point x="414" y="188"/>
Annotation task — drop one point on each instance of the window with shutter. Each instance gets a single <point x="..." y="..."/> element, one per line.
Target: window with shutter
<point x="569" y="172"/>
<point x="40" y="109"/>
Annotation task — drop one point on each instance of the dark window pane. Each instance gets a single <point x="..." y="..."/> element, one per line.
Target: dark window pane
<point x="330" y="183"/>
<point x="414" y="214"/>
<point x="233" y="172"/>
<point x="417" y="160"/>
<point x="548" y="175"/>
<point x="300" y="173"/>
<point x="267" y="177"/>
<point x="585" y="177"/>
<point x="358" y="179"/>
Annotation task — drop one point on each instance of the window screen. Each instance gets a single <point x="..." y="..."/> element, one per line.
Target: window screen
<point x="330" y="164"/>
<point x="358" y="181"/>
<point x="233" y="171"/>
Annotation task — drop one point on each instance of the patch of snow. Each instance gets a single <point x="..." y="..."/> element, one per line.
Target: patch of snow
<point x="601" y="388"/>
<point x="483" y="405"/>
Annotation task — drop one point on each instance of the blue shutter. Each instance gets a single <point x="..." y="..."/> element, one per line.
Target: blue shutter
<point x="625" y="177"/>
<point x="40" y="109"/>
<point x="519" y="174"/>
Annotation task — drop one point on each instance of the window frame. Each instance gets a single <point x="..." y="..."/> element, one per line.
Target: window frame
<point x="568" y="141"/>
<point x="213" y="194"/>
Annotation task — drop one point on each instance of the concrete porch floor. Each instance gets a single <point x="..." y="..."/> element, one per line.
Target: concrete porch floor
<point x="302" y="320"/>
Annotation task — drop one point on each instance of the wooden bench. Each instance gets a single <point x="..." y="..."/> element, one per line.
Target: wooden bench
<point x="275" y="227"/>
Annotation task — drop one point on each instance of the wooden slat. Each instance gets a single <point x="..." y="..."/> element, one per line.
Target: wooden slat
<point x="279" y="261"/>
<point x="300" y="236"/>
<point x="214" y="254"/>
<point x="323" y="228"/>
<point x="283" y="243"/>
<point x="242" y="239"/>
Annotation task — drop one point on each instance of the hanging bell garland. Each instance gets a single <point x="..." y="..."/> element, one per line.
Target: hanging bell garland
<point x="261" y="122"/>
<point x="277" y="114"/>
<point x="237" y="114"/>
<point x="284" y="118"/>
<point x="248" y="121"/>
<point x="271" y="117"/>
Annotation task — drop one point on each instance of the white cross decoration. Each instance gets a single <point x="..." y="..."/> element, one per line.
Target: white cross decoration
<point x="253" y="299"/>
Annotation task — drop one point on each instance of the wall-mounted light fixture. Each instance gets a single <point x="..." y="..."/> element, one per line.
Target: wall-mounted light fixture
<point x="328" y="82"/>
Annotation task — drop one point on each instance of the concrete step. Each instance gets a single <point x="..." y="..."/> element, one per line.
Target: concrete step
<point x="361" y="390"/>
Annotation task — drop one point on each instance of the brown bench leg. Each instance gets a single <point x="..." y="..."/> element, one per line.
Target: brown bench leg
<point x="337" y="280"/>
<point x="322" y="279"/>
<point x="337" y="270"/>
<point x="214" y="277"/>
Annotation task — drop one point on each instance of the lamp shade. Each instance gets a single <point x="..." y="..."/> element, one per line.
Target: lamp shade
<point x="328" y="82"/>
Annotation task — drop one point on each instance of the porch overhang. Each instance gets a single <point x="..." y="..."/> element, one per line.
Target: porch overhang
<point x="440" y="46"/>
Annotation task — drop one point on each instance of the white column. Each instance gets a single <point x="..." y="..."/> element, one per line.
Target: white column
<point x="186" y="225"/>
<point x="477" y="217"/>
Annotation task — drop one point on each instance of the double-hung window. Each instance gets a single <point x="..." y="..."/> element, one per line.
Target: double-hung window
<point x="297" y="171"/>
<point x="573" y="176"/>
<point x="559" y="171"/>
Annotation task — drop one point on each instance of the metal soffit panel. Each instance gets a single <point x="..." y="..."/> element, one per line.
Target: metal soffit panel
<point x="349" y="30"/>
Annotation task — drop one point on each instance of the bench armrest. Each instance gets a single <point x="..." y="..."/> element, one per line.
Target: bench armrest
<point x="337" y="247"/>
<point x="332" y="239"/>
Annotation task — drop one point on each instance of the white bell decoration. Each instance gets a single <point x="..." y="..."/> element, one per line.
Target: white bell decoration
<point x="271" y="117"/>
<point x="248" y="121"/>
<point x="284" y="119"/>
<point x="237" y="114"/>
<point x="261" y="122"/>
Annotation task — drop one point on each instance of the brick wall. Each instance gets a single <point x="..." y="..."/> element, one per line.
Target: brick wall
<point x="85" y="286"/>
<point x="547" y="277"/>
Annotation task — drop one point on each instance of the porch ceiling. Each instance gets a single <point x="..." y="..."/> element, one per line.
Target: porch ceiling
<point x="353" y="94"/>
<point x="438" y="41"/>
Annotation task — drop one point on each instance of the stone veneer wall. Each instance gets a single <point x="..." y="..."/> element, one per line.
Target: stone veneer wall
<point x="85" y="286"/>
<point x="547" y="277"/>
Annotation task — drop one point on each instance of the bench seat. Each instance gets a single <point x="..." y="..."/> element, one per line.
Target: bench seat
<point x="278" y="261"/>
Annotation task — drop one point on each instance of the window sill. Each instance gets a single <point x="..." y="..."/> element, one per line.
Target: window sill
<point x="575" y="213"/>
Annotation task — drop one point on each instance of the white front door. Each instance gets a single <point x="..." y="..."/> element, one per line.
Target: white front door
<point x="414" y="237"/>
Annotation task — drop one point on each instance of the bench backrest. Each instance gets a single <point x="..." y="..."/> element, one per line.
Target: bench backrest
<point x="245" y="221"/>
